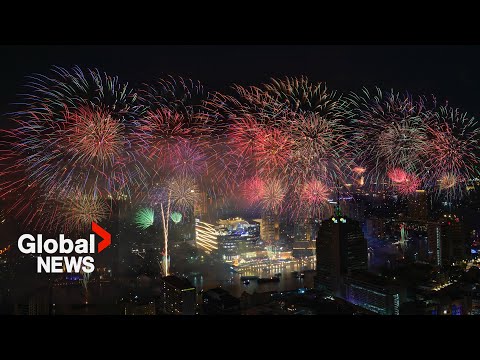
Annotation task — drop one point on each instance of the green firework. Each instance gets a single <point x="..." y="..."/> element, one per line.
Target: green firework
<point x="176" y="217"/>
<point x="144" y="218"/>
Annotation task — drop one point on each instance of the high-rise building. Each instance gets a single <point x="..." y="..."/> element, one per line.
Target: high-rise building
<point x="304" y="235"/>
<point x="270" y="227"/>
<point x="341" y="250"/>
<point x="418" y="206"/>
<point x="375" y="227"/>
<point x="177" y="296"/>
<point x="353" y="208"/>
<point x="475" y="303"/>
<point x="145" y="308"/>
<point x="446" y="240"/>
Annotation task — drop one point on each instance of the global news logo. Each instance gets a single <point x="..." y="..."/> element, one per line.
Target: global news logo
<point x="29" y="244"/>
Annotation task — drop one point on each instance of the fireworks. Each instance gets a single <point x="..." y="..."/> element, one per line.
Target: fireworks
<point x="272" y="150"/>
<point x="80" y="138"/>
<point x="176" y="217"/>
<point x="409" y="185"/>
<point x="144" y="218"/>
<point x="358" y="170"/>
<point x="253" y="190"/>
<point x="320" y="147"/>
<point x="94" y="136"/>
<point x="447" y="181"/>
<point x="183" y="192"/>
<point x="390" y="130"/>
<point x="301" y="94"/>
<point x="273" y="194"/>
<point x="314" y="197"/>
<point x="453" y="150"/>
<point x="80" y="210"/>
<point x="397" y="175"/>
<point x="71" y="136"/>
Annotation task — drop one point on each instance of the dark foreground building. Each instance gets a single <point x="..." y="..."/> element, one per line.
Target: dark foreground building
<point x="220" y="301"/>
<point x="341" y="250"/>
<point x="177" y="296"/>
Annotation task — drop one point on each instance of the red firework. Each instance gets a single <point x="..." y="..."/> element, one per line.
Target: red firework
<point x="272" y="149"/>
<point x="160" y="131"/>
<point x="93" y="135"/>
<point x="253" y="190"/>
<point x="314" y="193"/>
<point x="358" y="170"/>
<point x="273" y="194"/>
<point x="244" y="134"/>
<point x="397" y="175"/>
<point x="409" y="186"/>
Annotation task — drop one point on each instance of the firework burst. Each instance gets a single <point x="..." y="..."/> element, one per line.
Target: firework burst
<point x="313" y="198"/>
<point x="183" y="192"/>
<point x="300" y="94"/>
<point x="80" y="210"/>
<point x="71" y="136"/>
<point x="273" y="195"/>
<point x="144" y="218"/>
<point x="272" y="150"/>
<point x="408" y="186"/>
<point x="397" y="175"/>
<point x="253" y="190"/>
<point x="390" y="130"/>
<point x="176" y="217"/>
<point x="453" y="150"/>
<point x="320" y="148"/>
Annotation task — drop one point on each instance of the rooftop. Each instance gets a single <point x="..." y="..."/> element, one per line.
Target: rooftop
<point x="178" y="282"/>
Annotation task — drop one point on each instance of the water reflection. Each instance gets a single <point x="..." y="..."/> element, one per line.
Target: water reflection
<point x="232" y="281"/>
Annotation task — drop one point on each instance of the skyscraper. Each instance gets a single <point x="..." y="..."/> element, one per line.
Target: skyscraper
<point x="418" y="206"/>
<point x="341" y="250"/>
<point x="304" y="244"/>
<point x="177" y="296"/>
<point x="270" y="228"/>
<point x="446" y="240"/>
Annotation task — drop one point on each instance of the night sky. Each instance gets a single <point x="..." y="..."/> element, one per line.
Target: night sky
<point x="449" y="71"/>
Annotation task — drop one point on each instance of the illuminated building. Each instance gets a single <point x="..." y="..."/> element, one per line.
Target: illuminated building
<point x="341" y="250"/>
<point x="304" y="230"/>
<point x="177" y="296"/>
<point x="206" y="236"/>
<point x="446" y="240"/>
<point x="373" y="293"/>
<point x="236" y="237"/>
<point x="270" y="228"/>
<point x="304" y="244"/>
<point x="418" y="206"/>
<point x="229" y="238"/>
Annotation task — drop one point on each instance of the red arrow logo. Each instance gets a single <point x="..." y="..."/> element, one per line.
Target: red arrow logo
<point x="104" y="234"/>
